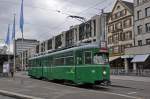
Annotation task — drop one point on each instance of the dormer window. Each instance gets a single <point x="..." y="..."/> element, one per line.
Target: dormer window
<point x="118" y="7"/>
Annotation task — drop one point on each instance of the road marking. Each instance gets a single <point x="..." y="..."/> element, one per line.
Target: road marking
<point x="17" y="95"/>
<point x="122" y="95"/>
<point x="131" y="93"/>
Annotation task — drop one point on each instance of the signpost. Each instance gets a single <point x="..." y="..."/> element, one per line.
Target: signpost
<point x="6" y="68"/>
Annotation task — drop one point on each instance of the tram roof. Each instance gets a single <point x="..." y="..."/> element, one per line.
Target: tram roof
<point x="68" y="50"/>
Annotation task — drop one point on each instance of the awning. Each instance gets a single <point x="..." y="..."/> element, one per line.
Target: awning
<point x="140" y="58"/>
<point x="127" y="56"/>
<point x="113" y="58"/>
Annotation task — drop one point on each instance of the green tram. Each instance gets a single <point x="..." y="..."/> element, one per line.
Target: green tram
<point x="81" y="65"/>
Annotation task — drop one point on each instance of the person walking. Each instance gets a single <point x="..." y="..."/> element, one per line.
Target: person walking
<point x="12" y="72"/>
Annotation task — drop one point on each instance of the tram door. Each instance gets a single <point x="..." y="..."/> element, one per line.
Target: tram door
<point x="44" y="67"/>
<point x="79" y="63"/>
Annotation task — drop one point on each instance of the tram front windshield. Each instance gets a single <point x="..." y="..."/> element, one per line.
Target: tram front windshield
<point x="100" y="58"/>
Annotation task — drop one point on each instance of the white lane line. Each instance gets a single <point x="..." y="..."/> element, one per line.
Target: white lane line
<point x="131" y="93"/>
<point x="122" y="95"/>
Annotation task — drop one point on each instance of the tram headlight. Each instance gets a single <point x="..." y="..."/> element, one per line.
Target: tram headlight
<point x="104" y="72"/>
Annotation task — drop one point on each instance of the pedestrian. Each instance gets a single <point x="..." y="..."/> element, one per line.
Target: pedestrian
<point x="12" y="72"/>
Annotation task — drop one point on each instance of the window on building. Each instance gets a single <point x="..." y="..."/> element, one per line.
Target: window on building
<point x="37" y="49"/>
<point x="139" y="42"/>
<point x="115" y="38"/>
<point x="139" y="14"/>
<point x="94" y="22"/>
<point x="148" y="41"/>
<point x="110" y="28"/>
<point x="110" y="40"/>
<point x="119" y="14"/>
<point x="118" y="25"/>
<point x="88" y="57"/>
<point x="127" y="23"/>
<point x="128" y="35"/>
<point x="148" y="27"/>
<point x="81" y="31"/>
<point x="128" y="45"/>
<point x="139" y="29"/>
<point x="139" y="2"/>
<point x="122" y="36"/>
<point x="58" y="41"/>
<point x="69" y="37"/>
<point x="122" y="47"/>
<point x="49" y="44"/>
<point x="147" y="11"/>
<point x="88" y="29"/>
<point x="123" y="12"/>
<point x="118" y="7"/>
<point x="116" y="49"/>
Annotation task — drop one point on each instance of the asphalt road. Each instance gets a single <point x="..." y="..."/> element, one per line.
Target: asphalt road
<point x="120" y="89"/>
<point x="5" y="97"/>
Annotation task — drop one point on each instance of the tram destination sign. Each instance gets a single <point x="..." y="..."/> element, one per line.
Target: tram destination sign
<point x="103" y="46"/>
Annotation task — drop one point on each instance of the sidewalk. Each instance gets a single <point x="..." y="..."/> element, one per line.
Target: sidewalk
<point x="132" y="78"/>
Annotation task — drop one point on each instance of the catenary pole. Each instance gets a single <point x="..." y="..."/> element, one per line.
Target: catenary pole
<point x="14" y="45"/>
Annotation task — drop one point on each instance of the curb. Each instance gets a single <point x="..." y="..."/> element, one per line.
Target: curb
<point x="17" y="95"/>
<point x="131" y="78"/>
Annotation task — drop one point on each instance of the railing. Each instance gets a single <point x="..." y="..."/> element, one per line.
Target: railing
<point x="131" y="72"/>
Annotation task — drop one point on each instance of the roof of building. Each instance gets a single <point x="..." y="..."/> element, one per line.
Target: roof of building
<point x="20" y="39"/>
<point x="129" y="4"/>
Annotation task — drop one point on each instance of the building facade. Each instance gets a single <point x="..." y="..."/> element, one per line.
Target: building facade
<point x="142" y="22"/>
<point x="27" y="44"/>
<point x="27" y="49"/>
<point x="141" y="50"/>
<point x="120" y="32"/>
<point x="93" y="30"/>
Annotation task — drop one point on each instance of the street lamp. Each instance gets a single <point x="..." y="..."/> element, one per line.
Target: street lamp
<point x="79" y="18"/>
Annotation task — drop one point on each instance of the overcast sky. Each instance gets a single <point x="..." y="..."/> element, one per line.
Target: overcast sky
<point x="42" y="19"/>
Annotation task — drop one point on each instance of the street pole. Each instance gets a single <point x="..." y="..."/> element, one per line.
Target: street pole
<point x="14" y="45"/>
<point x="22" y="52"/>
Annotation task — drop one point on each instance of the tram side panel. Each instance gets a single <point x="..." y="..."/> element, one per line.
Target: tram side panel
<point x="84" y="71"/>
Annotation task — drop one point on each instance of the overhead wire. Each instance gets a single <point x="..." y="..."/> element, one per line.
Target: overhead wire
<point x="57" y="11"/>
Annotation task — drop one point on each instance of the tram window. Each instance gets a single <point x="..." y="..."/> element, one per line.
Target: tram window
<point x="69" y="61"/>
<point x="100" y="58"/>
<point x="88" y="57"/>
<point x="59" y="61"/>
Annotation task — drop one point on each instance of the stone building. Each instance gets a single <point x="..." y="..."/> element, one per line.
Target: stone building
<point x="120" y="32"/>
<point x="141" y="50"/>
